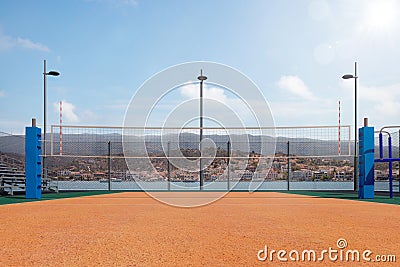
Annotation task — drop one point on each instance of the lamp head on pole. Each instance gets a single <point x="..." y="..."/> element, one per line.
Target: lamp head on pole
<point x="201" y="77"/>
<point x="349" y="76"/>
<point x="52" y="73"/>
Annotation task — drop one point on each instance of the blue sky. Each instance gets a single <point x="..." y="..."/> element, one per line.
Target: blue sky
<point x="295" y="51"/>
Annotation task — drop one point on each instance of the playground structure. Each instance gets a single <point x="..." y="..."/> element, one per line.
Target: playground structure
<point x="390" y="158"/>
<point x="367" y="159"/>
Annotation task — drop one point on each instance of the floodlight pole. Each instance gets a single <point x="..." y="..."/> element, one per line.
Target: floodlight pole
<point x="355" y="77"/>
<point x="44" y="120"/>
<point x="355" y="129"/>
<point x="45" y="73"/>
<point x="202" y="79"/>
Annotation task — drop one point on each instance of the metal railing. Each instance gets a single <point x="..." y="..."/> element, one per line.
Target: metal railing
<point x="382" y="169"/>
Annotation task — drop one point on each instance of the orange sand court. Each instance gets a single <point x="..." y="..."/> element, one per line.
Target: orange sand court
<point x="133" y="229"/>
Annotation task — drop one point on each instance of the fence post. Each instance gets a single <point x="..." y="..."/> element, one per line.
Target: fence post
<point x="33" y="161"/>
<point x="109" y="165"/>
<point x="288" y="165"/>
<point x="51" y="140"/>
<point x="228" y="160"/>
<point x="390" y="168"/>
<point x="168" y="167"/>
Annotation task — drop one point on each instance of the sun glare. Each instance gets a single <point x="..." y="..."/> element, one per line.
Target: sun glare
<point x="381" y="15"/>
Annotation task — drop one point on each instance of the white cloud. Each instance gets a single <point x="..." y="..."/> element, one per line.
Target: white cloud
<point x="384" y="100"/>
<point x="88" y="117"/>
<point x="296" y="86"/>
<point x="26" y="43"/>
<point x="2" y="93"/>
<point x="6" y="42"/>
<point x="192" y="91"/>
<point x="240" y="111"/>
<point x="68" y="111"/>
<point x="381" y="104"/>
<point x="9" y="42"/>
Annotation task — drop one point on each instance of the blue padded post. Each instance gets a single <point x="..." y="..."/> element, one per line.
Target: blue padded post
<point x="366" y="162"/>
<point x="33" y="162"/>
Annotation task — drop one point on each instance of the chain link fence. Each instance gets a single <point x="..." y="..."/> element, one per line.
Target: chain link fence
<point x="117" y="158"/>
<point x="93" y="158"/>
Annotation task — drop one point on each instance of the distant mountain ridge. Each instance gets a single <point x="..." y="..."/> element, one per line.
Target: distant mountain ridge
<point x="97" y="144"/>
